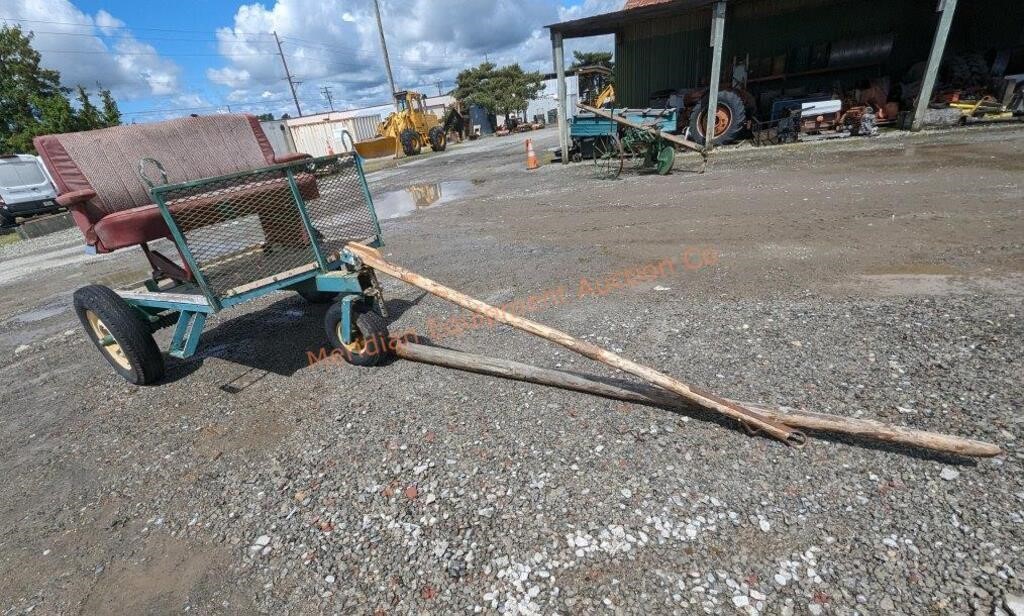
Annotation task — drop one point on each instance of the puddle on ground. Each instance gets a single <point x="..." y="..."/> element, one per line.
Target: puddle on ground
<point x="398" y="203"/>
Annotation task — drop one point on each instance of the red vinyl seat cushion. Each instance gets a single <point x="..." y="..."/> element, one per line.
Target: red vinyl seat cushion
<point x="271" y="201"/>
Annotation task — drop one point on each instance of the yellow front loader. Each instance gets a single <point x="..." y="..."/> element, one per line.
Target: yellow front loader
<point x="405" y="131"/>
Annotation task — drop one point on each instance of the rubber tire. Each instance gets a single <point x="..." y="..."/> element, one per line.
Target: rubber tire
<point x="370" y="325"/>
<point x="317" y="297"/>
<point x="438" y="140"/>
<point x="146" y="362"/>
<point x="7" y="221"/>
<point x="734" y="103"/>
<point x="410" y="142"/>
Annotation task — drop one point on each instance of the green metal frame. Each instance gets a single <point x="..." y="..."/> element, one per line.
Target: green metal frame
<point x="338" y="276"/>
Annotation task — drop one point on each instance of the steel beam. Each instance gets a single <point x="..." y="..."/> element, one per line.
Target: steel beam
<point x="947" y="8"/>
<point x="563" y="122"/>
<point x="717" y="36"/>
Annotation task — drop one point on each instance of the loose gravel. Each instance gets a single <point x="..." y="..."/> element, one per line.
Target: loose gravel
<point x="254" y="482"/>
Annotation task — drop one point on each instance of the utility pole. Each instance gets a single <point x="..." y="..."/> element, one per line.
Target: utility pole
<point x="384" y="48"/>
<point x="439" y="92"/>
<point x="326" y="91"/>
<point x="287" y="74"/>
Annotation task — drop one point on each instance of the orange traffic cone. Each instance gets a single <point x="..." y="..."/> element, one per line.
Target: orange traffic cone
<point x="531" y="156"/>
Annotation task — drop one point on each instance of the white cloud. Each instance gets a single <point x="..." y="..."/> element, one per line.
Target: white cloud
<point x="99" y="51"/>
<point x="335" y="43"/>
<point x="107" y="23"/>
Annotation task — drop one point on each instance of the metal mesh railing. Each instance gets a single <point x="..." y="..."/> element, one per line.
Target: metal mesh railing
<point x="340" y="211"/>
<point x="247" y="230"/>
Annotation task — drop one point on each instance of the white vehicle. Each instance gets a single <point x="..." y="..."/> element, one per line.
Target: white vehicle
<point x="25" y="188"/>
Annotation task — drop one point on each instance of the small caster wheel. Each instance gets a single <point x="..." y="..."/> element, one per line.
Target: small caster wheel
<point x="370" y="339"/>
<point x="119" y="332"/>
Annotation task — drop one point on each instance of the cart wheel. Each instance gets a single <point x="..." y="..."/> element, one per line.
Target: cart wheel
<point x="120" y="334"/>
<point x="666" y="157"/>
<point x="370" y="344"/>
<point x="608" y="157"/>
<point x="317" y="297"/>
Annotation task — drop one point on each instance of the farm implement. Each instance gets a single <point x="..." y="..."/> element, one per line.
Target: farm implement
<point x="639" y="136"/>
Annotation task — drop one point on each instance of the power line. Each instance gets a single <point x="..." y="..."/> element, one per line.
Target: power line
<point x="94" y="25"/>
<point x="157" y="53"/>
<point x="151" y="38"/>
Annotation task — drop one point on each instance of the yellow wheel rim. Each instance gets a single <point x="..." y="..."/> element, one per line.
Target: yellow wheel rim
<point x="112" y="349"/>
<point x="357" y="346"/>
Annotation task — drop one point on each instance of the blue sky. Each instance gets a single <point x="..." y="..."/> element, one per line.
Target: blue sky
<point x="209" y="56"/>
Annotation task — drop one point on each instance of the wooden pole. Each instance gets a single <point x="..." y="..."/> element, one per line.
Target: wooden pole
<point x="676" y="139"/>
<point x="753" y="420"/>
<point x="863" y="428"/>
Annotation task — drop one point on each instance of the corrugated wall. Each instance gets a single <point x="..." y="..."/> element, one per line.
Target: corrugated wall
<point x="660" y="55"/>
<point x="365" y="127"/>
<point x="676" y="53"/>
<point x="314" y="138"/>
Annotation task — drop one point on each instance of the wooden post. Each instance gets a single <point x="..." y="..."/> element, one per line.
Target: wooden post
<point x="861" y="428"/>
<point x="947" y="8"/>
<point x="563" y="122"/>
<point x="372" y="257"/>
<point x="717" y="36"/>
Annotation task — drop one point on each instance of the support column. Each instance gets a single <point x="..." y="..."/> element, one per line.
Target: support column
<point x="563" y="122"/>
<point x="947" y="8"/>
<point x="717" y="36"/>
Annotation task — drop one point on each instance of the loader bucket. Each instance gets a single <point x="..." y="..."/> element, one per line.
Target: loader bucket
<point x="377" y="147"/>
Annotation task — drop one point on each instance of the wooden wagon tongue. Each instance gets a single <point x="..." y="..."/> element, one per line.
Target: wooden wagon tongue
<point x="752" y="420"/>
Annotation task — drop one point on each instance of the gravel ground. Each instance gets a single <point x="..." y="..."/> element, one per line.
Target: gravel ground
<point x="870" y="278"/>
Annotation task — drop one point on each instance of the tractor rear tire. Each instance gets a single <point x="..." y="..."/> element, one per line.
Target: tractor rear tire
<point x="410" y="142"/>
<point x="120" y="334"/>
<point x="438" y="139"/>
<point x="730" y="118"/>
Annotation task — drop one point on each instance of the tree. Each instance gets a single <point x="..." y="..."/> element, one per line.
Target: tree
<point x="505" y="91"/>
<point x="88" y="115"/>
<point x="474" y="86"/>
<point x="592" y="58"/>
<point x="23" y="84"/>
<point x="111" y="113"/>
<point x="265" y="117"/>
<point x="32" y="101"/>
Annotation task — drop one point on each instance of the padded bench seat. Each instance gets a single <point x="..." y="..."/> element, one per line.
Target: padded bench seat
<point x="271" y="201"/>
<point x="95" y="173"/>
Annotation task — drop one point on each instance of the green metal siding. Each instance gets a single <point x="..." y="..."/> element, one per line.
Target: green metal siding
<point x="660" y="55"/>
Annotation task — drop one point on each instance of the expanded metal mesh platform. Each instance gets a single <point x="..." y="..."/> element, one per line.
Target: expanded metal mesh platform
<point x="244" y="230"/>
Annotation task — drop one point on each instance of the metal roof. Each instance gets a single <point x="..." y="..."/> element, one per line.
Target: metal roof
<point x="608" y="23"/>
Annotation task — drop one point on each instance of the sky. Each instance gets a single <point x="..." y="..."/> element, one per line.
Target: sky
<point x="166" y="59"/>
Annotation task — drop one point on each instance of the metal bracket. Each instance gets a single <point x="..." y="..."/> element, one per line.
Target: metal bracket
<point x="376" y="293"/>
<point x="346" y="317"/>
<point x="186" y="334"/>
<point x="145" y="178"/>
